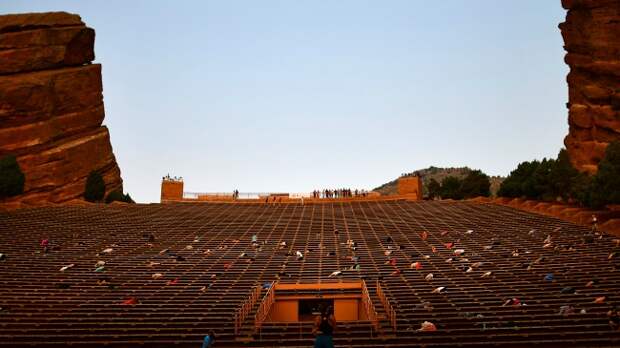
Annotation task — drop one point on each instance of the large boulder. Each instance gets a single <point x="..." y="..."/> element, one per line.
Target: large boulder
<point x="591" y="35"/>
<point x="51" y="107"/>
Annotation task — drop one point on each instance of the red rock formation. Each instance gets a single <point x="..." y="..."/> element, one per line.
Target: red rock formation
<point x="51" y="106"/>
<point x="591" y="35"/>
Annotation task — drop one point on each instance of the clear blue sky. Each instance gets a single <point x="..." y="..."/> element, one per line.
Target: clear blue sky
<point x="297" y="95"/>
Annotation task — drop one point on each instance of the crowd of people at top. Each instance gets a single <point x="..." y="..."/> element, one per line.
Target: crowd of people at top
<point x="339" y="193"/>
<point x="172" y="178"/>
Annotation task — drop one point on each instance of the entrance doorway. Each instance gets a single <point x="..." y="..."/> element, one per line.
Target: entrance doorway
<point x="310" y="308"/>
<point x="297" y="302"/>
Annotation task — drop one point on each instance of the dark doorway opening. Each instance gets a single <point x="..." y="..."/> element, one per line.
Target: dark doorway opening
<point x="309" y="309"/>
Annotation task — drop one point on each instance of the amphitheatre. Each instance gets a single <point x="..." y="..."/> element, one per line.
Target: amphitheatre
<point x="485" y="271"/>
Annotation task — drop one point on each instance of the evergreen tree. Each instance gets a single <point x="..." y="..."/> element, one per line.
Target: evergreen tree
<point x="451" y="188"/>
<point x="580" y="189"/>
<point x="605" y="187"/>
<point x="434" y="189"/>
<point x="117" y="195"/>
<point x="540" y="184"/>
<point x="12" y="178"/>
<point x="95" y="187"/>
<point x="564" y="177"/>
<point x="520" y="182"/>
<point x="475" y="184"/>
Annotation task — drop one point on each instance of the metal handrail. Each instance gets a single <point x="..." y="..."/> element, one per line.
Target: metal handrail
<point x="265" y="306"/>
<point x="389" y="310"/>
<point x="246" y="308"/>
<point x="241" y="195"/>
<point x="371" y="312"/>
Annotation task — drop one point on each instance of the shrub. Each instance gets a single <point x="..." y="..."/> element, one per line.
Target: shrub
<point x="580" y="189"/>
<point x="11" y="177"/>
<point x="117" y="195"/>
<point x="95" y="187"/>
<point x="546" y="180"/>
<point x="540" y="186"/>
<point x="565" y="179"/>
<point x="128" y="199"/>
<point x="475" y="184"/>
<point x="605" y="185"/>
<point x="552" y="179"/>
<point x="451" y="188"/>
<point x="434" y="189"/>
<point x="520" y="181"/>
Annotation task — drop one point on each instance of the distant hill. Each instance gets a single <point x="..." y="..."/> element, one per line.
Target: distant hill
<point x="391" y="188"/>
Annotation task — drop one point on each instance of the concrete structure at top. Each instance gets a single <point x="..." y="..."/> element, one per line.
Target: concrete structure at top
<point x="410" y="187"/>
<point x="171" y="190"/>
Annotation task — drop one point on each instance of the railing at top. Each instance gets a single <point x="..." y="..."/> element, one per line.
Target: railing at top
<point x="263" y="195"/>
<point x="246" y="308"/>
<point x="265" y="306"/>
<point x="371" y="312"/>
<point x="244" y="195"/>
<point x="389" y="310"/>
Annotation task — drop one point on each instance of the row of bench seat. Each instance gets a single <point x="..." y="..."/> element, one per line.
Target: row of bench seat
<point x="45" y="307"/>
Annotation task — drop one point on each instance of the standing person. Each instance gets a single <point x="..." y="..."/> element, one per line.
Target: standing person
<point x="594" y="224"/>
<point x="324" y="326"/>
<point x="209" y="339"/>
<point x="614" y="318"/>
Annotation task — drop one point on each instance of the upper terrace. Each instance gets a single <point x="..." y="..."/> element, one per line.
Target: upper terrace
<point x="172" y="190"/>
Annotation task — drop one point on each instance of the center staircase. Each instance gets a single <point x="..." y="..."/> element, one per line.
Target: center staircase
<point x="253" y="327"/>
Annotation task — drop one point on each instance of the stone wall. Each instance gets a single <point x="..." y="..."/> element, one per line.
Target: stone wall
<point x="51" y="106"/>
<point x="591" y="35"/>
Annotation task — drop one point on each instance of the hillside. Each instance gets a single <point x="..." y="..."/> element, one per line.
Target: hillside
<point x="390" y="188"/>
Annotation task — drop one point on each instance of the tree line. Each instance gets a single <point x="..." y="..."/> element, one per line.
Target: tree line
<point x="557" y="180"/>
<point x="474" y="184"/>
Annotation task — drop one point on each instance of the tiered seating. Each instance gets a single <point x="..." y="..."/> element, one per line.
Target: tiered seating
<point x="45" y="307"/>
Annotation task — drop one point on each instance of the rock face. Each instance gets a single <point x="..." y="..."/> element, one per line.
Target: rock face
<point x="591" y="35"/>
<point x="51" y="106"/>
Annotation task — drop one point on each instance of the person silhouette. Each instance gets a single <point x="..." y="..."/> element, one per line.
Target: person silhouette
<point x="324" y="326"/>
